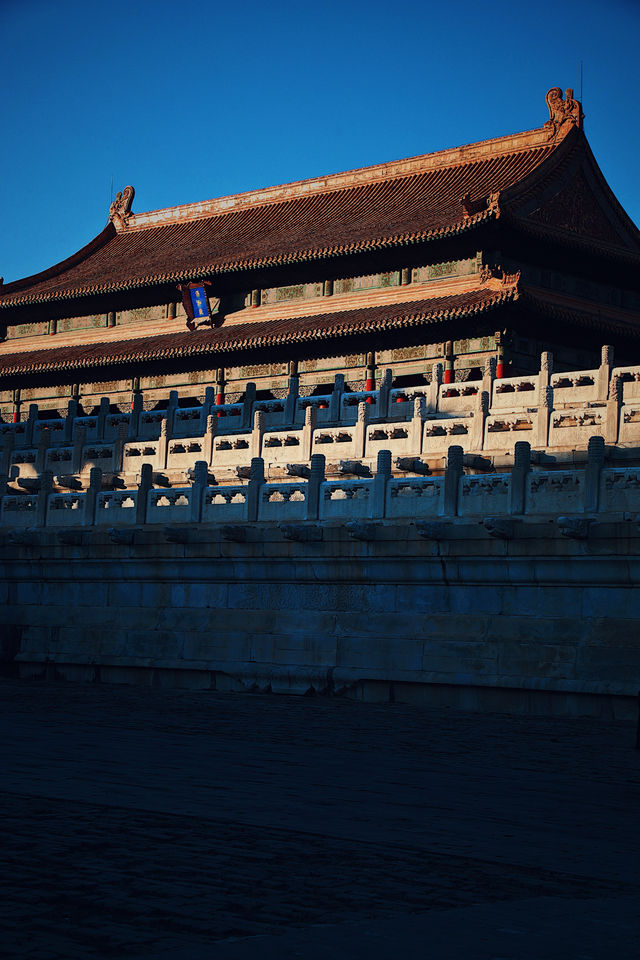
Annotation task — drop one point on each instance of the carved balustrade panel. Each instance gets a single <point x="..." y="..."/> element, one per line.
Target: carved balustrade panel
<point x="575" y="387"/>
<point x="414" y="497"/>
<point x="349" y="403"/>
<point x="334" y="442"/>
<point x="515" y="393"/>
<point x="282" y="447"/>
<point x="116" y="507"/>
<point x="282" y="501"/>
<point x="555" y="492"/>
<point x="620" y="489"/>
<point x="87" y="424"/>
<point x="630" y="424"/>
<point x="440" y="434"/>
<point x="389" y="436"/>
<point x="137" y="453"/>
<point x="65" y="509"/>
<point x="98" y="455"/>
<point x="504" y="430"/>
<point x="232" y="450"/>
<point x="457" y="398"/>
<point x="572" y="427"/>
<point x="482" y="495"/>
<point x="184" y="453"/>
<point x="172" y="505"/>
<point x="321" y="404"/>
<point x="346" y="498"/>
<point x="19" y="511"/>
<point x="225" y="504"/>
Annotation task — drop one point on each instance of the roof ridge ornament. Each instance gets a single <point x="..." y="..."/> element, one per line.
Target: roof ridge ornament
<point x="499" y="276"/>
<point x="563" y="114"/>
<point x="120" y="209"/>
<point x="488" y="204"/>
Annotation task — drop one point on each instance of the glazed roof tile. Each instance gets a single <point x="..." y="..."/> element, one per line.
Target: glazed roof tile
<point x="248" y="335"/>
<point x="397" y="203"/>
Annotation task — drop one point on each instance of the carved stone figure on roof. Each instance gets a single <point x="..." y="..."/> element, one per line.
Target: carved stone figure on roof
<point x="121" y="207"/>
<point x="562" y="111"/>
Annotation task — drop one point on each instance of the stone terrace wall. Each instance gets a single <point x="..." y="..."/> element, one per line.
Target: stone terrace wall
<point x="543" y="616"/>
<point x="468" y="545"/>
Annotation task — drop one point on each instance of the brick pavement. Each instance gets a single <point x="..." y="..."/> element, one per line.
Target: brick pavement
<point x="157" y="824"/>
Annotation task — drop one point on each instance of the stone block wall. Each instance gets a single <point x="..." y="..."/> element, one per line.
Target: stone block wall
<point x="391" y="611"/>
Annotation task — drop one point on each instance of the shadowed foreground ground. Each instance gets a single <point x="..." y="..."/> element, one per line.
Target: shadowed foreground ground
<point x="143" y="823"/>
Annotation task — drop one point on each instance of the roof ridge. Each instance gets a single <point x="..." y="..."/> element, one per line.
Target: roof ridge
<point x="347" y="179"/>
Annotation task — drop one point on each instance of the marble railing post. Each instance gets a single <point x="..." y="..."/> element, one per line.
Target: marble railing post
<point x="171" y="411"/>
<point x="314" y="483"/>
<point x="604" y="373"/>
<point x="209" y="437"/>
<point x="433" y="393"/>
<point x="256" y="481"/>
<point x="30" y="424"/>
<point x="209" y="400"/>
<point x="255" y="443"/>
<point x="198" y="487"/>
<point x="452" y="476"/>
<point x="78" y="447"/>
<point x="146" y="483"/>
<point x="247" y="405"/>
<point x="7" y="452"/>
<point x="613" y="408"/>
<point x="163" y="443"/>
<point x="384" y="392"/>
<point x="545" y="409"/>
<point x="336" y="398"/>
<point x="488" y="377"/>
<point x="416" y="427"/>
<point x="360" y="430"/>
<point x="118" y="447"/>
<point x="72" y="413"/>
<point x="518" y="484"/>
<point x="480" y="415"/>
<point x="310" y="421"/>
<point x="546" y="370"/>
<point x="134" y="419"/>
<point x="291" y="398"/>
<point x="102" y="418"/>
<point x="91" y="496"/>
<point x="46" y="485"/>
<point x="41" y="455"/>
<point x="380" y="481"/>
<point x="595" y="463"/>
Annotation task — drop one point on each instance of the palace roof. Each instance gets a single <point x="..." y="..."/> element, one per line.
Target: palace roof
<point x="477" y="297"/>
<point x="398" y="203"/>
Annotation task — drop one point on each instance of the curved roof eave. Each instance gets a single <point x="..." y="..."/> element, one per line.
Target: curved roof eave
<point x="232" y="266"/>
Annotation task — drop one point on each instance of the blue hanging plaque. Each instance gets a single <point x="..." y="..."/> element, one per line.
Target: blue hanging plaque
<point x="200" y="302"/>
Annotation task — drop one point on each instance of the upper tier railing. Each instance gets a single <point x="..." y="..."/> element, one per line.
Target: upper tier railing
<point x="488" y="417"/>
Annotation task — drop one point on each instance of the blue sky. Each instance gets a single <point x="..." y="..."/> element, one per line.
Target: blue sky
<point x="191" y="100"/>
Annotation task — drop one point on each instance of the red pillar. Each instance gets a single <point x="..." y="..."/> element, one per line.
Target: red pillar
<point x="448" y="362"/>
<point x="370" y="383"/>
<point x="220" y="391"/>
